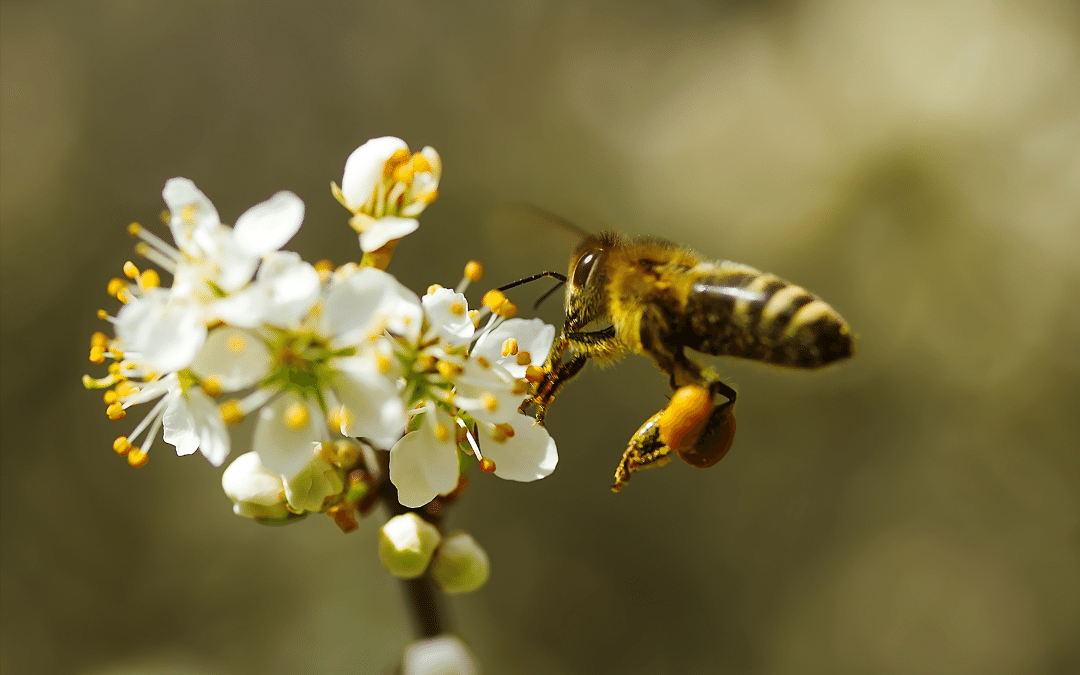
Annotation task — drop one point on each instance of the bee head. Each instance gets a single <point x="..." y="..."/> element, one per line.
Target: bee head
<point x="586" y="298"/>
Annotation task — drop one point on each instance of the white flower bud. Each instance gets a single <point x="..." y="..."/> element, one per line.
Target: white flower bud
<point x="406" y="544"/>
<point x="255" y="491"/>
<point x="442" y="655"/>
<point x="308" y="490"/>
<point x="460" y="564"/>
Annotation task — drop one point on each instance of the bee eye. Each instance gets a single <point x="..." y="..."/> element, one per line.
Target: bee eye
<point x="584" y="267"/>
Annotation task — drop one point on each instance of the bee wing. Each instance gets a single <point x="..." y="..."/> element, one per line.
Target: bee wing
<point x="529" y="240"/>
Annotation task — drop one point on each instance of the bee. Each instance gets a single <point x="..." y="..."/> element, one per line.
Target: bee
<point x="651" y="297"/>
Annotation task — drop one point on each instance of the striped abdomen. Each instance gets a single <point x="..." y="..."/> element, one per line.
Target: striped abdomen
<point x="735" y="310"/>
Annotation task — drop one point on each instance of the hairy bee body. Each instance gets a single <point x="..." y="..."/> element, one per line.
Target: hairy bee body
<point x="654" y="298"/>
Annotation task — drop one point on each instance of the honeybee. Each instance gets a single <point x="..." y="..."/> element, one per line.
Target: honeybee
<point x="651" y="297"/>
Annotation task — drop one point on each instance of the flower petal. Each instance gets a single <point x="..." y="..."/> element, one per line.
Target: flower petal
<point x="165" y="335"/>
<point x="448" y="314"/>
<point x="421" y="465"/>
<point x="192" y="421"/>
<point x="532" y="335"/>
<point x="371" y="405"/>
<point x="285" y="434"/>
<point x="234" y="357"/>
<point x="386" y="229"/>
<point x="268" y="226"/>
<point x="527" y="456"/>
<point x="362" y="305"/>
<point x="191" y="213"/>
<point x="364" y="169"/>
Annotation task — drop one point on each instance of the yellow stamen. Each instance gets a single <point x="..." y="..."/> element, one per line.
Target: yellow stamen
<point x="534" y="374"/>
<point x="507" y="310"/>
<point x="236" y="343"/>
<point x="99" y="339"/>
<point x="520" y="388"/>
<point x="115" y="411"/>
<point x="97" y="356"/>
<point x="121" y="445"/>
<point x="102" y="314"/>
<point x="421" y="165"/>
<point x="524" y="358"/>
<point x="425" y="362"/>
<point x="114" y="370"/>
<point x="384" y="364"/>
<point x="126" y="388"/>
<point x="442" y="432"/>
<point x="397" y="159"/>
<point x="474" y="271"/>
<point x="165" y="217"/>
<point x="231" y="412"/>
<point x="130" y="270"/>
<point x="432" y="288"/>
<point x="297" y="416"/>
<point x="448" y="370"/>
<point x="324" y="267"/>
<point x="123" y="296"/>
<point x="211" y="387"/>
<point x="487" y="466"/>
<point x="507" y="430"/>
<point x="494" y="299"/>
<point x="187" y="214"/>
<point x="134" y="229"/>
<point x="137" y="457"/>
<point x="115" y="286"/>
<point x="510" y="347"/>
<point x="149" y="279"/>
<point x="488" y="400"/>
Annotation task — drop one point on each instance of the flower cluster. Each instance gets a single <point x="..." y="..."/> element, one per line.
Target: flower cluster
<point x="336" y="366"/>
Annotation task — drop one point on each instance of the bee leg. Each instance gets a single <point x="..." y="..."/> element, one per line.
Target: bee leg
<point x="548" y="388"/>
<point x="645" y="450"/>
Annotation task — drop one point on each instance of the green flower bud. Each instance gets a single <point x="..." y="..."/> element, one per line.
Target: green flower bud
<point x="460" y="565"/>
<point x="406" y="544"/>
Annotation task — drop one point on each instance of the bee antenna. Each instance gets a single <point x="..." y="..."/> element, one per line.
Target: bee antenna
<point x="551" y="275"/>
<point x="545" y="296"/>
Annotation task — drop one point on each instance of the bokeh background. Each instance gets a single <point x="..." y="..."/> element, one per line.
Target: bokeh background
<point x="915" y="510"/>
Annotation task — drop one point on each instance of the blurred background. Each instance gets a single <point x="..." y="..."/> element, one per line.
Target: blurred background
<point x="917" y="164"/>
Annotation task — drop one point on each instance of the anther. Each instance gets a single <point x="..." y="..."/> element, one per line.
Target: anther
<point x="494" y="299"/>
<point x="97" y="356"/>
<point x="507" y="310"/>
<point x="231" y="412"/>
<point x="165" y="217"/>
<point x="384" y="364"/>
<point x="510" y="347"/>
<point x="442" y="432"/>
<point x="296" y="416"/>
<point x="115" y="286"/>
<point x="136" y="457"/>
<point x="488" y="400"/>
<point x="474" y="271"/>
<point x="110" y="397"/>
<point x="102" y="314"/>
<point x="487" y="465"/>
<point x="99" y="339"/>
<point x="149" y="279"/>
<point x="432" y="288"/>
<point x="115" y="411"/>
<point x="524" y="358"/>
<point x="121" y="445"/>
<point x="130" y="270"/>
<point x="421" y="165"/>
<point x="506" y="429"/>
<point x="483" y="362"/>
<point x="236" y="343"/>
<point x="211" y="387"/>
<point x="448" y="370"/>
<point x="534" y="374"/>
<point x="134" y="229"/>
<point x="324" y="267"/>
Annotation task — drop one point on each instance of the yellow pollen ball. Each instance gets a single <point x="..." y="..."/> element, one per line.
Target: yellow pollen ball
<point x="507" y="310"/>
<point x="97" y="355"/>
<point x="110" y="397"/>
<point x="236" y="343"/>
<point x="324" y="266"/>
<point x="99" y="339"/>
<point x="134" y="229"/>
<point x="487" y="466"/>
<point x="428" y="196"/>
<point x="442" y="432"/>
<point x="137" y="457"/>
<point x="510" y="347"/>
<point x="296" y="416"/>
<point x="165" y="216"/>
<point x="488" y="400"/>
<point x="461" y="434"/>
<point x="474" y="271"/>
<point x="404" y="172"/>
<point x="493" y="299"/>
<point x="457" y="309"/>
<point x="102" y="314"/>
<point x="421" y="165"/>
<point x="211" y="387"/>
<point x="534" y="374"/>
<point x="127" y="388"/>
<point x="115" y="411"/>
<point x="506" y="429"/>
<point x="150" y="279"/>
<point x="384" y="364"/>
<point x="231" y="412"/>
<point x="524" y="358"/>
<point x="121" y="445"/>
<point x="432" y="288"/>
<point x="116" y="285"/>
<point x="130" y="270"/>
<point x="448" y="370"/>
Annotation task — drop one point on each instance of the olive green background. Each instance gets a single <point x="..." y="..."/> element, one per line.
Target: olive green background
<point x="915" y="510"/>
